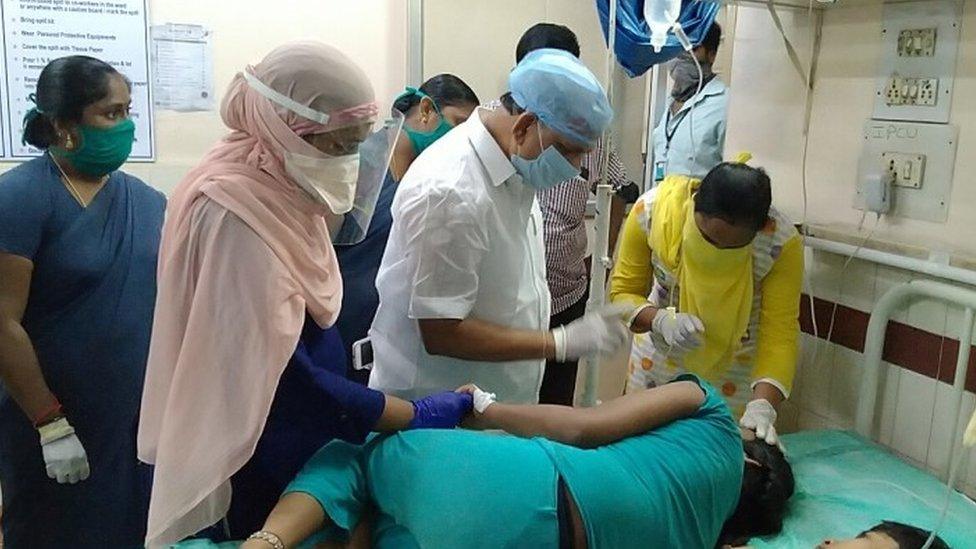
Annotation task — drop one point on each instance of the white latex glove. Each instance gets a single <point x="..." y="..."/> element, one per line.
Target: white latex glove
<point x="680" y="331"/>
<point x="600" y="332"/>
<point x="64" y="456"/>
<point x="760" y="416"/>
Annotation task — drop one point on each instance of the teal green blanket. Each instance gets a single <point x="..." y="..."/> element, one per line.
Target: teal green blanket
<point x="845" y="485"/>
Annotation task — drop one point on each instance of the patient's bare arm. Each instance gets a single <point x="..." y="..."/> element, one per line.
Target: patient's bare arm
<point x="622" y="417"/>
<point x="295" y="517"/>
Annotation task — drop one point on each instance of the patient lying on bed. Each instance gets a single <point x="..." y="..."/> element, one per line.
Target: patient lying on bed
<point x="887" y="535"/>
<point x="666" y="467"/>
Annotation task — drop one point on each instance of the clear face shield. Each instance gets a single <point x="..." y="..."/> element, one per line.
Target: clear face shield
<point x="375" y="154"/>
<point x="329" y="179"/>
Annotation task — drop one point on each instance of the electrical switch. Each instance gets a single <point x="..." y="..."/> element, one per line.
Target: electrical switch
<point x="917" y="43"/>
<point x="905" y="169"/>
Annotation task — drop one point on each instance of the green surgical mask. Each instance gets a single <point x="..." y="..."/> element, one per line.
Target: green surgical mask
<point x="421" y="140"/>
<point x="102" y="150"/>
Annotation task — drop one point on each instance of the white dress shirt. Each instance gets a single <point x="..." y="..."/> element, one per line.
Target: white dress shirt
<point x="466" y="242"/>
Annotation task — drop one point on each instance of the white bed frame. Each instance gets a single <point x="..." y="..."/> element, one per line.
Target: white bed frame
<point x="890" y="302"/>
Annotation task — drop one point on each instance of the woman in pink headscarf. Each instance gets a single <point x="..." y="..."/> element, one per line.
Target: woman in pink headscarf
<point x="245" y="379"/>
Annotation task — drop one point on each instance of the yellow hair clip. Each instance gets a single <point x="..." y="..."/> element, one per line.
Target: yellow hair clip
<point x="742" y="158"/>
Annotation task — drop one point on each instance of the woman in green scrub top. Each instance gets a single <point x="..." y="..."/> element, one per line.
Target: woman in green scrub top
<point x="665" y="466"/>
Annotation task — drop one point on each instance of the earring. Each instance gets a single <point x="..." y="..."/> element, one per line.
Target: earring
<point x="68" y="142"/>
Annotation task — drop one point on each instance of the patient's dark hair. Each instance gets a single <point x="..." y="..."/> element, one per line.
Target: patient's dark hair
<point x="766" y="488"/>
<point x="907" y="537"/>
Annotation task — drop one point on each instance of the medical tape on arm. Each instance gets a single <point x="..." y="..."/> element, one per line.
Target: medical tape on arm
<point x="482" y="400"/>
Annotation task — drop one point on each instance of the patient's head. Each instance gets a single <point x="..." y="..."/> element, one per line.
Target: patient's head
<point x="887" y="535"/>
<point x="767" y="484"/>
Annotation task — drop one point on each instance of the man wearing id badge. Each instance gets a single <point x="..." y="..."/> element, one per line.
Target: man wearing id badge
<point x="690" y="138"/>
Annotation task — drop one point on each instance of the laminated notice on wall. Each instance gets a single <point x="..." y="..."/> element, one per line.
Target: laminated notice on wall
<point x="182" y="60"/>
<point x="37" y="32"/>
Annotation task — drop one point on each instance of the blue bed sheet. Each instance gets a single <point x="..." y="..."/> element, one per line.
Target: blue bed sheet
<point x="845" y="484"/>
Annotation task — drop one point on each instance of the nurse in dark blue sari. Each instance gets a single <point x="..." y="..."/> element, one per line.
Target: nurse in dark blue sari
<point x="78" y="245"/>
<point x="442" y="102"/>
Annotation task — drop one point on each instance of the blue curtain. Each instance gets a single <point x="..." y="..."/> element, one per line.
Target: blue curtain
<point x="633" y="39"/>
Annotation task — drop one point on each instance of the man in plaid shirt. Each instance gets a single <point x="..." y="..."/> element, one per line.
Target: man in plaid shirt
<point x="563" y="210"/>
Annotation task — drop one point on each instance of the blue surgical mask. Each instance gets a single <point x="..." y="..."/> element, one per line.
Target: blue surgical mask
<point x="548" y="170"/>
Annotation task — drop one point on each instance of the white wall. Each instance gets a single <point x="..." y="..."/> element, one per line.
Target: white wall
<point x="371" y="32"/>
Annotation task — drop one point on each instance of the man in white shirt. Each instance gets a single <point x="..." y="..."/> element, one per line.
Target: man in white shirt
<point x="462" y="285"/>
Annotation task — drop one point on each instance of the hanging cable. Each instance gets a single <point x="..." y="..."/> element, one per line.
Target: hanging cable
<point x="810" y="80"/>
<point x="689" y="48"/>
<point x="948" y="499"/>
<point x="843" y="269"/>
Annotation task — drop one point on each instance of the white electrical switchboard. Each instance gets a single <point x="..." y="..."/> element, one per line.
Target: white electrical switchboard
<point x="919" y="46"/>
<point x="917" y="159"/>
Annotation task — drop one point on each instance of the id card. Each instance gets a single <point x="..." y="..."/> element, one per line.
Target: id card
<point x="659" y="170"/>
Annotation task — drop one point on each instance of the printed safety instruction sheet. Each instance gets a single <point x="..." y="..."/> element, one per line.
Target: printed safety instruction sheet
<point x="182" y="60"/>
<point x="38" y="31"/>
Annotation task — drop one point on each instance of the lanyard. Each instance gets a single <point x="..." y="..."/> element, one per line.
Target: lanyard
<point x="692" y="102"/>
<point x="670" y="133"/>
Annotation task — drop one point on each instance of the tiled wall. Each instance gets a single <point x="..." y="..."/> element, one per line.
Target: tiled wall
<point x="913" y="409"/>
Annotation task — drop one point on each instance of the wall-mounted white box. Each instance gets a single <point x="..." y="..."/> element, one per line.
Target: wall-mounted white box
<point x="925" y="193"/>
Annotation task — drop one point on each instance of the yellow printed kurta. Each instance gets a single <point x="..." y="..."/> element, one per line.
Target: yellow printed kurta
<point x="770" y="347"/>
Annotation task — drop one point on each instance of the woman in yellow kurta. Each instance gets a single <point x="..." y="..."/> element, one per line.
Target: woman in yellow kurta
<point x="714" y="273"/>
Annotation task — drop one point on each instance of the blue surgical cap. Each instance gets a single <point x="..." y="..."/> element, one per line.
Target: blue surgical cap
<point x="556" y="87"/>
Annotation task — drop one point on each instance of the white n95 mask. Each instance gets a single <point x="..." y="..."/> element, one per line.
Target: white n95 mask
<point x="330" y="180"/>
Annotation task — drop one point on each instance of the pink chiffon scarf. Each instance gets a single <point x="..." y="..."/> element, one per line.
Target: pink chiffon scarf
<point x="230" y="307"/>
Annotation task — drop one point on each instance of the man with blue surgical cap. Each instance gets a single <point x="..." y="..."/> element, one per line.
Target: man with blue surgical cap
<point x="462" y="285"/>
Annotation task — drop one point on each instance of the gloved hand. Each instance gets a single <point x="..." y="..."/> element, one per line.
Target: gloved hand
<point x="441" y="411"/>
<point x="64" y="456"/>
<point x="760" y="416"/>
<point x="680" y="331"/>
<point x="600" y="332"/>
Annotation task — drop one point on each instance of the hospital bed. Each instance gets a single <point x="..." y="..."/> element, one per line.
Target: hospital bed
<point x="846" y="483"/>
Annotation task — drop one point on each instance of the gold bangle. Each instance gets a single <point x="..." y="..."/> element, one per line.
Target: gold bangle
<point x="268" y="537"/>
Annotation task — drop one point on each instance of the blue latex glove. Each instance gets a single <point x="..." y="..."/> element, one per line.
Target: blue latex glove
<point x="441" y="411"/>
